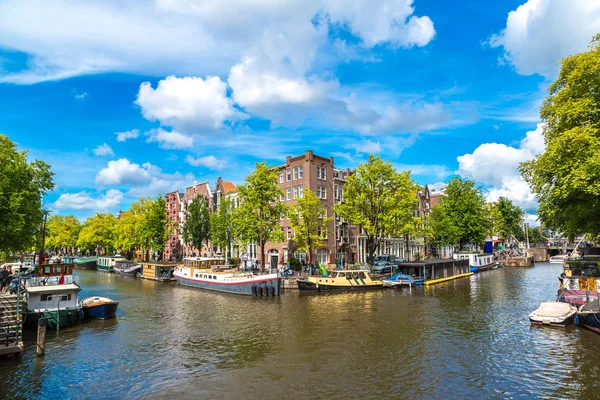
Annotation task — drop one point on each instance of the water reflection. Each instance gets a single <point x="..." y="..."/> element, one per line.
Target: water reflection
<point x="468" y="338"/>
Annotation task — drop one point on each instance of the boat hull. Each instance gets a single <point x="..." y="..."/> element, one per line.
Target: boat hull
<point x="66" y="317"/>
<point x="254" y="287"/>
<point x="103" y="311"/>
<point x="90" y="265"/>
<point x="104" y="268"/>
<point x="126" y="271"/>
<point x="304" y="284"/>
<point x="560" y="324"/>
<point x="589" y="320"/>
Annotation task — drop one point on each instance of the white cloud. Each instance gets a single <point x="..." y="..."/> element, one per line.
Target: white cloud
<point x="541" y="32"/>
<point x="407" y="118"/>
<point x="188" y="103"/>
<point x="170" y="139"/>
<point x="367" y="146"/>
<point x="109" y="200"/>
<point x="103" y="150"/>
<point x="496" y="165"/>
<point x="123" y="136"/>
<point x="162" y="37"/>
<point x="210" y="161"/>
<point x="143" y="180"/>
<point x="79" y="96"/>
<point x="434" y="170"/>
<point x="437" y="187"/>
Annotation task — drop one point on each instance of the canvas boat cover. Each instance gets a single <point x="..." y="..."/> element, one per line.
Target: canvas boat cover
<point x="554" y="309"/>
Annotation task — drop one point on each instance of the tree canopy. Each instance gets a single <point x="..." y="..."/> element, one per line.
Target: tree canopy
<point x="98" y="232"/>
<point x="260" y="208"/>
<point x="381" y="201"/>
<point x="460" y="218"/>
<point x="196" y="230"/>
<point x="510" y="219"/>
<point x="23" y="185"/>
<point x="309" y="220"/>
<point x="221" y="226"/>
<point x="566" y="177"/>
<point x="153" y="227"/>
<point x="62" y="232"/>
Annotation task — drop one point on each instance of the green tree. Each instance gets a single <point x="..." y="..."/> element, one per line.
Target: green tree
<point x="22" y="186"/>
<point x="98" y="232"/>
<point x="494" y="221"/>
<point x="536" y="237"/>
<point x="381" y="201"/>
<point x="128" y="235"/>
<point x="153" y="228"/>
<point x="196" y="230"/>
<point x="510" y="215"/>
<point x="460" y="217"/>
<point x="257" y="218"/>
<point x="222" y="227"/>
<point x="309" y="220"/>
<point x="566" y="177"/>
<point x="62" y="232"/>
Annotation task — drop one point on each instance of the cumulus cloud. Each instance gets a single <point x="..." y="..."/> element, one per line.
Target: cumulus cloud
<point x="210" y="161"/>
<point x="109" y="200"/>
<point x="170" y="139"/>
<point x="541" y="32"/>
<point x="367" y="146"/>
<point x="496" y="165"/>
<point x="188" y="103"/>
<point x="103" y="150"/>
<point x="123" y="136"/>
<point x="65" y="39"/>
<point x="142" y="180"/>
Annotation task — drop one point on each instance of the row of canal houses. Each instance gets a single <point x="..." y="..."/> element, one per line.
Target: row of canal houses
<point x="307" y="171"/>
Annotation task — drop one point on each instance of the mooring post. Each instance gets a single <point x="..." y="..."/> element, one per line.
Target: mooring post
<point x="41" y="337"/>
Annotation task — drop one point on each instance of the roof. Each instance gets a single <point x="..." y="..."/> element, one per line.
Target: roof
<point x="228" y="187"/>
<point x="52" y="288"/>
<point x="425" y="263"/>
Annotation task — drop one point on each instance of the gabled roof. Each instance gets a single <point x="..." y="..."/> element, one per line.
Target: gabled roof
<point x="228" y="187"/>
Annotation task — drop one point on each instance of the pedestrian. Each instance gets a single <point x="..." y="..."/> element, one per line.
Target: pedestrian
<point x="3" y="277"/>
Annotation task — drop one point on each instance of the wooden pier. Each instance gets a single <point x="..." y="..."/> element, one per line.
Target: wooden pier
<point x="10" y="326"/>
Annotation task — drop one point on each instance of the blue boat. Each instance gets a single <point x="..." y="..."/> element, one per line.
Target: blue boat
<point x="99" y="307"/>
<point x="400" y="280"/>
<point x="589" y="316"/>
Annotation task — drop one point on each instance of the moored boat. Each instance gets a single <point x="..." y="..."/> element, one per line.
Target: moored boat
<point x="477" y="262"/>
<point x="560" y="259"/>
<point x="58" y="304"/>
<point x="107" y="263"/>
<point x="399" y="280"/>
<point x="157" y="271"/>
<point x="348" y="280"/>
<point x="99" y="307"/>
<point x="553" y="313"/>
<point x="126" y="268"/>
<point x="210" y="273"/>
<point x="588" y="316"/>
<point x="89" y="263"/>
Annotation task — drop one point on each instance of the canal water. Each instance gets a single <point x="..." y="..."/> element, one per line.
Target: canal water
<point x="468" y="338"/>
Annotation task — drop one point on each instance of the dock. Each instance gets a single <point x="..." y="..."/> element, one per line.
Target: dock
<point x="518" y="262"/>
<point x="10" y="326"/>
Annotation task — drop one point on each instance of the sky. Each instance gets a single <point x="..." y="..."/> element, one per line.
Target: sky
<point x="128" y="99"/>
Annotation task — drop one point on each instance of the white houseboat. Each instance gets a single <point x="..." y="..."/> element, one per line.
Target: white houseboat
<point x="477" y="262"/>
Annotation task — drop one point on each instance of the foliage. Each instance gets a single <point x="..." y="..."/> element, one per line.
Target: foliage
<point x="309" y="220"/>
<point x="196" y="229"/>
<point x="127" y="229"/>
<point x="235" y="261"/>
<point x="381" y="201"/>
<point x="98" y="232"/>
<point x="257" y="218"/>
<point x="460" y="217"/>
<point x="295" y="264"/>
<point x="153" y="227"/>
<point x="536" y="237"/>
<point x="494" y="219"/>
<point x="62" y="232"/>
<point x="566" y="177"/>
<point x="221" y="226"/>
<point x="22" y="187"/>
<point x="510" y="219"/>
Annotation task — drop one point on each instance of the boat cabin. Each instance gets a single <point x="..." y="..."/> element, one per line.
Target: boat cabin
<point x="475" y="260"/>
<point x="52" y="297"/>
<point x="434" y="270"/>
<point x="158" y="271"/>
<point x="50" y="274"/>
<point x="108" y="262"/>
<point x="216" y="263"/>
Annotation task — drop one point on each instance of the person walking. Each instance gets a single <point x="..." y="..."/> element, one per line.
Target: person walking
<point x="3" y="277"/>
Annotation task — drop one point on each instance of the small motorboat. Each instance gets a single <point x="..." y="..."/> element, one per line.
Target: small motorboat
<point x="400" y="280"/>
<point x="99" y="307"/>
<point x="560" y="259"/>
<point x="126" y="268"/>
<point x="553" y="313"/>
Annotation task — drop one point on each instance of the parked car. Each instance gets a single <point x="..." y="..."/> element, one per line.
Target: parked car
<point x="383" y="267"/>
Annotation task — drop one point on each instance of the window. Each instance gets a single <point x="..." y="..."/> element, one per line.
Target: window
<point x="281" y="198"/>
<point x="281" y="177"/>
<point x="336" y="189"/>
<point x="321" y="192"/>
<point x="322" y="232"/>
<point x="322" y="256"/>
<point x="300" y="256"/>
<point x="295" y="173"/>
<point x="321" y="172"/>
<point x="318" y="172"/>
<point x="295" y="192"/>
<point x="289" y="233"/>
<point x="288" y="193"/>
<point x="300" y="192"/>
<point x="288" y="174"/>
<point x="300" y="172"/>
<point x="46" y="297"/>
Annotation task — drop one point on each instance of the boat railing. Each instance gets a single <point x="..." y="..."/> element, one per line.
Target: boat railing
<point x="51" y="280"/>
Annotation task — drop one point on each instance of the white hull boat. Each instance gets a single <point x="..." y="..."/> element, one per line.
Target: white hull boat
<point x="553" y="313"/>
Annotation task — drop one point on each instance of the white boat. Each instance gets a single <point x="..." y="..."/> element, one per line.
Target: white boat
<point x="477" y="262"/>
<point x="553" y="313"/>
<point x="558" y="259"/>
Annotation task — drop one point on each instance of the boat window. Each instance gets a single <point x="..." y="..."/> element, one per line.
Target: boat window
<point x="46" y="297"/>
<point x="341" y="274"/>
<point x="65" y="297"/>
<point x="214" y="277"/>
<point x="362" y="275"/>
<point x="47" y="270"/>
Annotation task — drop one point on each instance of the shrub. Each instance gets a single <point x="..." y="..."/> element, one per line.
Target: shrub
<point x="235" y="261"/>
<point x="295" y="264"/>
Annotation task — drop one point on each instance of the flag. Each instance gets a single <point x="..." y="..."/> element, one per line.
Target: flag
<point x="61" y="280"/>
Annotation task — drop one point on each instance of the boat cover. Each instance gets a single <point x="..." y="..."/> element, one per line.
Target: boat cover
<point x="553" y="309"/>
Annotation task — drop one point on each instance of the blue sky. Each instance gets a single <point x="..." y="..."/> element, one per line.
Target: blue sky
<point x="131" y="100"/>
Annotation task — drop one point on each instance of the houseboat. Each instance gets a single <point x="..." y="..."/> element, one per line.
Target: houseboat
<point x="436" y="271"/>
<point x="214" y="274"/>
<point x="157" y="271"/>
<point x="579" y="280"/>
<point x="588" y="316"/>
<point x="89" y="263"/>
<point x="107" y="263"/>
<point x="348" y="280"/>
<point x="126" y="268"/>
<point x="53" y="294"/>
<point x="477" y="262"/>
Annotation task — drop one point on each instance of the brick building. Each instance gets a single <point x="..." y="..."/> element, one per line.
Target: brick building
<point x="174" y="245"/>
